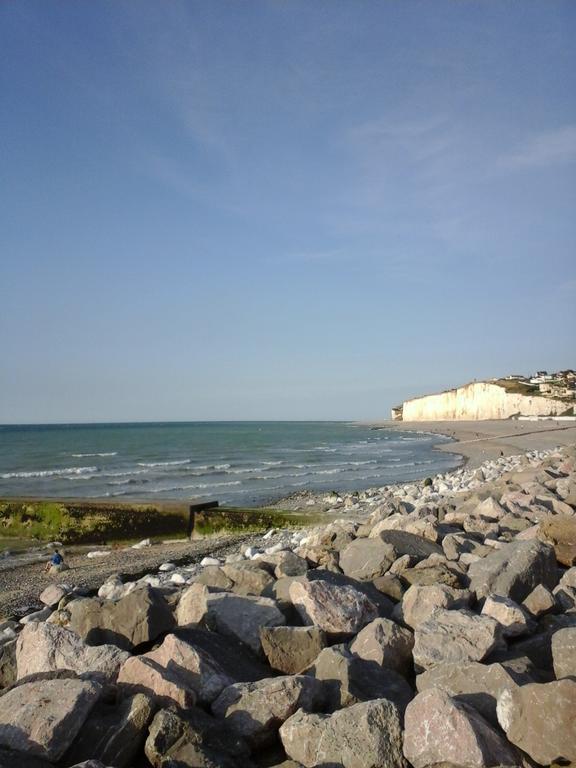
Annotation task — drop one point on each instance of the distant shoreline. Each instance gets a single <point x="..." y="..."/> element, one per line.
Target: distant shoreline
<point x="479" y="441"/>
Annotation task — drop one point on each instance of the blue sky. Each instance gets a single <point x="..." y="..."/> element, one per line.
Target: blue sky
<point x="281" y="209"/>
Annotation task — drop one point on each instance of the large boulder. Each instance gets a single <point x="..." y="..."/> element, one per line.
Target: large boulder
<point x="428" y="573"/>
<point x="292" y="649"/>
<point x="514" y="570"/>
<point x="560" y="531"/>
<point x="349" y="679"/>
<point x="511" y="616"/>
<point x="457" y="544"/>
<point x="248" y="578"/>
<point x="335" y="609"/>
<point x="454" y="636"/>
<point x="114" y="733"/>
<point x="44" y="647"/>
<point x="540" y="719"/>
<point x="366" y="735"/>
<point x="405" y="543"/>
<point x="193" y="738"/>
<point x="365" y="559"/>
<point x="175" y="672"/>
<point x="420" y="602"/>
<point x="564" y="652"/>
<point x="235" y="658"/>
<point x="257" y="710"/>
<point x="42" y="718"/>
<point x="8" y="666"/>
<point x="285" y="563"/>
<point x="438" y="729"/>
<point x="11" y="759"/>
<point x="472" y="683"/>
<point x="239" y="616"/>
<point x="386" y="643"/>
<point x="140" y="617"/>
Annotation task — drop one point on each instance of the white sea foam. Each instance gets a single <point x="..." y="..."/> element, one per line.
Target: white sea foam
<point x="163" y="463"/>
<point x="49" y="472"/>
<point x="86" y="455"/>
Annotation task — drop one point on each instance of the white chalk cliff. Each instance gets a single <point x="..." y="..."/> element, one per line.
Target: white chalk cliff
<point x="481" y="400"/>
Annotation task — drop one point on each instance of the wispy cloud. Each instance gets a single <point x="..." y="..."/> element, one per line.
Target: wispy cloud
<point x="545" y="149"/>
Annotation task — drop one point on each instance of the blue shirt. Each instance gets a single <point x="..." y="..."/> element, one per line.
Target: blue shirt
<point x="56" y="558"/>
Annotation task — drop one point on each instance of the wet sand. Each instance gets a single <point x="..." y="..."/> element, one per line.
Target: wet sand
<point x="479" y="441"/>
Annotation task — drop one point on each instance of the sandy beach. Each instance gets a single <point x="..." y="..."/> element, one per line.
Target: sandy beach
<point x="479" y="441"/>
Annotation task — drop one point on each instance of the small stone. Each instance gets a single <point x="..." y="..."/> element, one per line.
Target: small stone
<point x="166" y="567"/>
<point x="209" y="561"/>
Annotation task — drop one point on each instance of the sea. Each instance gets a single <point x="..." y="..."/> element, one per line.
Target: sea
<point x="237" y="463"/>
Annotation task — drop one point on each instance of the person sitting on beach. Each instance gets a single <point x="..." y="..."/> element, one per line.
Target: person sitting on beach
<point x="56" y="563"/>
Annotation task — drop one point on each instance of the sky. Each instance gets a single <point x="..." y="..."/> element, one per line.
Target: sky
<point x="281" y="209"/>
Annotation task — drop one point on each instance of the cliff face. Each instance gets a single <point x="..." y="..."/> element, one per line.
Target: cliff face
<point x="479" y="401"/>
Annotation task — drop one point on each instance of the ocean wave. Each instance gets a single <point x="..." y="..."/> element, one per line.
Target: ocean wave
<point x="152" y="464"/>
<point x="86" y="455"/>
<point x="49" y="472"/>
<point x="124" y="473"/>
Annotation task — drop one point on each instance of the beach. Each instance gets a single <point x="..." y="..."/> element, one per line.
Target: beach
<point x="478" y="441"/>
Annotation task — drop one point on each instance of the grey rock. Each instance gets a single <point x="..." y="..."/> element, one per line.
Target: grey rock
<point x="539" y="719"/>
<point x="291" y="650"/>
<point x="421" y="601"/>
<point x="454" y="636"/>
<point x="564" y="652"/>
<point x="114" y="733"/>
<point x="193" y="738"/>
<point x="257" y="710"/>
<point x="386" y="643"/>
<point x="43" y="647"/>
<point x="348" y="679"/>
<point x="365" y="559"/>
<point x="539" y="601"/>
<point x="365" y="735"/>
<point x="237" y="616"/>
<point x="42" y="718"/>
<point x="515" y="570"/>
<point x="477" y="685"/>
<point x="8" y="668"/>
<point x="248" y="578"/>
<point x="175" y="672"/>
<point x="439" y="729"/>
<point x="405" y="543"/>
<point x="335" y="609"/>
<point x="140" y="617"/>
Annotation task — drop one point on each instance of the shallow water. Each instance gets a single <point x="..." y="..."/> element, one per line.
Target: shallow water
<point x="240" y="463"/>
